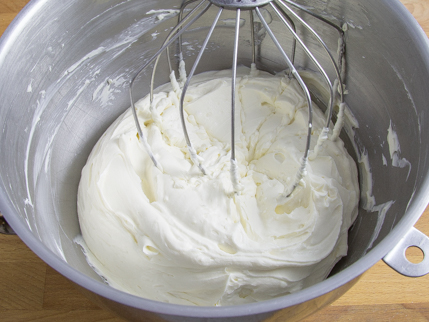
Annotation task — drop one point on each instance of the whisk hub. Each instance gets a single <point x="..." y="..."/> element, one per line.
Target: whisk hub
<point x="240" y="4"/>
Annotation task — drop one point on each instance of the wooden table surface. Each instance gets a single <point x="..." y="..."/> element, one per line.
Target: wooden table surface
<point x="32" y="291"/>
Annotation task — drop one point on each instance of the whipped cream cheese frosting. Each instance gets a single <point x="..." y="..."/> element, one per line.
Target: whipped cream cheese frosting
<point x="178" y="236"/>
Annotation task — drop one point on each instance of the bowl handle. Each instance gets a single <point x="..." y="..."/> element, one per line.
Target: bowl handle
<point x="397" y="260"/>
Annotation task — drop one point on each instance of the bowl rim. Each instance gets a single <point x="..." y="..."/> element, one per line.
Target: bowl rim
<point x="413" y="212"/>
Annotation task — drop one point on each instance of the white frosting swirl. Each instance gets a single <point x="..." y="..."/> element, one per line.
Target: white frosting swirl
<point x="181" y="237"/>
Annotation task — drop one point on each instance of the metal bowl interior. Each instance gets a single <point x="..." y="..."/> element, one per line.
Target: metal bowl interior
<point x="65" y="69"/>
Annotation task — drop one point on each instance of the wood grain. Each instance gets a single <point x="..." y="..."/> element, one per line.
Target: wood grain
<point x="420" y="11"/>
<point x="32" y="291"/>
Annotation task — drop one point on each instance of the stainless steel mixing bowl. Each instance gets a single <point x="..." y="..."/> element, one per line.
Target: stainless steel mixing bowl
<point x="64" y="73"/>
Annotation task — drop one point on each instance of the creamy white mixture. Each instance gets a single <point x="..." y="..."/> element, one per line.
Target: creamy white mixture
<point x="181" y="237"/>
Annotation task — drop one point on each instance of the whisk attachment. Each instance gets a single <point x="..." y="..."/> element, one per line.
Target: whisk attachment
<point x="283" y="10"/>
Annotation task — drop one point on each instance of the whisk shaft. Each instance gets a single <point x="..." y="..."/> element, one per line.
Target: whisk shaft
<point x="192" y="151"/>
<point x="234" y="168"/>
<point x="296" y="75"/>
